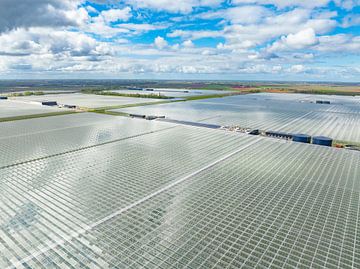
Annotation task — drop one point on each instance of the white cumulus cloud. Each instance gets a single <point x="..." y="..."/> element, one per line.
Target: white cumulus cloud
<point x="160" y="42"/>
<point x="114" y="15"/>
<point x="188" y="44"/>
<point x="300" y="40"/>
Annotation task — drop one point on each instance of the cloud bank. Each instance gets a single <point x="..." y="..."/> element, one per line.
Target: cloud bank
<point x="241" y="39"/>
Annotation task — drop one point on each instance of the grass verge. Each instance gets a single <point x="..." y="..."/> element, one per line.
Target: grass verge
<point x="132" y="95"/>
<point x="209" y="96"/>
<point x="126" y="106"/>
<point x="34" y="116"/>
<point x="109" y="112"/>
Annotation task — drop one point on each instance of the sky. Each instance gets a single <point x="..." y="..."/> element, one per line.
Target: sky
<point x="306" y="40"/>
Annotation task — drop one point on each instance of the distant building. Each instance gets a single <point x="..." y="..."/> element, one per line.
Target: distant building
<point x="302" y="138"/>
<point x="323" y="102"/>
<point x="137" y="116"/>
<point x="322" y="141"/>
<point x="279" y="135"/>
<point x="69" y="106"/>
<point x="49" y="103"/>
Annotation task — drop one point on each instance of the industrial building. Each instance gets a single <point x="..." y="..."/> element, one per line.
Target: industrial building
<point x="137" y="116"/>
<point x="49" y="103"/>
<point x="322" y="141"/>
<point x="323" y="102"/>
<point x="302" y="138"/>
<point x="279" y="135"/>
<point x="68" y="106"/>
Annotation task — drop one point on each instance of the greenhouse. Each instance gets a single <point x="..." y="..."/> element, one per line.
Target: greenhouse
<point x="87" y="100"/>
<point x="182" y="197"/>
<point x="11" y="108"/>
<point x="26" y="141"/>
<point x="276" y="112"/>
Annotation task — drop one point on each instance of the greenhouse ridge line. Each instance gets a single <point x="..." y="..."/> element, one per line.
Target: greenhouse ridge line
<point x="122" y="210"/>
<point x="296" y="119"/>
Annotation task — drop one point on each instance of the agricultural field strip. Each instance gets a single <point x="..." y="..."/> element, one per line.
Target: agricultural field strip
<point x="249" y="210"/>
<point x="65" y="207"/>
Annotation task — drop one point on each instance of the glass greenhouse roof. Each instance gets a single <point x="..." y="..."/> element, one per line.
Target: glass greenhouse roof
<point x="10" y="108"/>
<point x="292" y="113"/>
<point x="87" y="100"/>
<point x="39" y="125"/>
<point x="65" y="136"/>
<point x="182" y="197"/>
<point x="172" y="92"/>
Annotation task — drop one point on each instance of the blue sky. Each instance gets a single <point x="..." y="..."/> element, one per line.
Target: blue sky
<point x="187" y="39"/>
